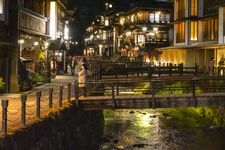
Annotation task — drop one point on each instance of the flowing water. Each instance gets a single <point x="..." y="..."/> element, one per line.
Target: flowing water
<point x="157" y="130"/>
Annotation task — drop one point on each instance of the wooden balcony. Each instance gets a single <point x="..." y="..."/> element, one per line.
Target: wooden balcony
<point x="32" y="22"/>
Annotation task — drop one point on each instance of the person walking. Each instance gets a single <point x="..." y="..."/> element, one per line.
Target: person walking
<point x="82" y="80"/>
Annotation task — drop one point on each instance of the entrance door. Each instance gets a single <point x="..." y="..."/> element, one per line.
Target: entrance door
<point x="4" y="72"/>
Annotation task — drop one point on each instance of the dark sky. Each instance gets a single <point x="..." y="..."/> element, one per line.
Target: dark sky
<point x="86" y="11"/>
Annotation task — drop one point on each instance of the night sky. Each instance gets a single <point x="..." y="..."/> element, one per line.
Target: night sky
<point x="86" y="12"/>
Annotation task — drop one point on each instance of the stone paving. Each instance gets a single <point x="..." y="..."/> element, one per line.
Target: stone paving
<point x="14" y="105"/>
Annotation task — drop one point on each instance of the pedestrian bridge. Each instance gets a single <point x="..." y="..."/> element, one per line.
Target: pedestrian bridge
<point x="155" y="93"/>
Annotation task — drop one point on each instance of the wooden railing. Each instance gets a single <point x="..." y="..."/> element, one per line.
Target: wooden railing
<point x="193" y="89"/>
<point x="145" y="69"/>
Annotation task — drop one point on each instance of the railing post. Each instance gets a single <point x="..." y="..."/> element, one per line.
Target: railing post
<point x="159" y="69"/>
<point x="60" y="95"/>
<point x="100" y="71"/>
<point x="153" y="95"/>
<point x="23" y="109"/>
<point x="170" y="69"/>
<point x="149" y="70"/>
<point x="117" y="88"/>
<point x="76" y="94"/>
<point x="68" y="92"/>
<point x="4" y="116"/>
<point x="50" y="97"/>
<point x="181" y="69"/>
<point x="196" y="69"/>
<point x="38" y="104"/>
<point x="193" y="92"/>
<point x="113" y="95"/>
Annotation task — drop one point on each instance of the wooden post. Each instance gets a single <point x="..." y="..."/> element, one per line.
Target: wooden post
<point x="117" y="88"/>
<point x="181" y="69"/>
<point x="196" y="69"/>
<point x="68" y="92"/>
<point x="76" y="94"/>
<point x="50" y="97"/>
<point x="153" y="95"/>
<point x="113" y="95"/>
<point x="170" y="69"/>
<point x="4" y="116"/>
<point x="159" y="69"/>
<point x="149" y="70"/>
<point x="38" y="104"/>
<point x="100" y="71"/>
<point x="23" y="109"/>
<point x="60" y="95"/>
<point x="193" y="92"/>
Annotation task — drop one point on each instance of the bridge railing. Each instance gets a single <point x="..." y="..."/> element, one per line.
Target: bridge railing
<point x="189" y="87"/>
<point x="116" y="69"/>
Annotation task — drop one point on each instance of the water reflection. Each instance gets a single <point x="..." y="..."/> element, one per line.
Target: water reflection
<point x="156" y="129"/>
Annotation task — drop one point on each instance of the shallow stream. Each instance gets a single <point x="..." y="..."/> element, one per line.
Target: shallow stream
<point x="150" y="129"/>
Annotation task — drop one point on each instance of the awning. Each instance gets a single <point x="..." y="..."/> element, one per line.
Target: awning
<point x="57" y="44"/>
<point x="26" y="60"/>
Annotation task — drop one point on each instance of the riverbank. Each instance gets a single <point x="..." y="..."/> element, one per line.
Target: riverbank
<point x="71" y="128"/>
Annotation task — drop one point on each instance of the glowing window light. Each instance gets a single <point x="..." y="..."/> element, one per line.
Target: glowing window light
<point x="1" y="6"/>
<point x="53" y="20"/>
<point x="66" y="32"/>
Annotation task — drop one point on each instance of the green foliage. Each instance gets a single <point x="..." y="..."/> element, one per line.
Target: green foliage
<point x="197" y="116"/>
<point x="2" y="84"/>
<point x="38" y="78"/>
<point x="221" y="62"/>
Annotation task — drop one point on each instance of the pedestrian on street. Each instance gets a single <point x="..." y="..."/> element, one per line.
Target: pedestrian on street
<point x="82" y="80"/>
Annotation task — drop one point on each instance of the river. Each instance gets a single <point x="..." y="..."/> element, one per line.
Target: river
<point x="158" y="129"/>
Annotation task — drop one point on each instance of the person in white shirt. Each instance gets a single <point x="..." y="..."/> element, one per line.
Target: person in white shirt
<point x="82" y="80"/>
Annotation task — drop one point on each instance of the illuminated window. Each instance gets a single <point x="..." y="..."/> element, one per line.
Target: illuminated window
<point x="132" y="18"/>
<point x="194" y="31"/>
<point x="210" y="29"/>
<point x="152" y="17"/>
<point x="1" y="6"/>
<point x="162" y="18"/>
<point x="194" y="8"/>
<point x="180" y="32"/>
<point x="180" y="9"/>
<point x="106" y="22"/>
<point x="168" y="18"/>
<point x="2" y="2"/>
<point x="157" y="17"/>
<point x="66" y="31"/>
<point x="122" y="21"/>
<point x="53" y="19"/>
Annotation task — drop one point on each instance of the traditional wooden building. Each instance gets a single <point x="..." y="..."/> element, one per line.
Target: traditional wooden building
<point x="145" y="27"/>
<point x="198" y="34"/>
<point x="25" y="33"/>
<point x="61" y="14"/>
<point x="133" y="32"/>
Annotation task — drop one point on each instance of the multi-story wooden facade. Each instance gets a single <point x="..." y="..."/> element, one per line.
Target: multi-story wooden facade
<point x="25" y="31"/>
<point x="198" y="33"/>
<point x="60" y="16"/>
<point x="131" y="33"/>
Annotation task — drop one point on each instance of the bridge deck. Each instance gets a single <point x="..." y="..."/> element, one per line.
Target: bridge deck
<point x="158" y="101"/>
